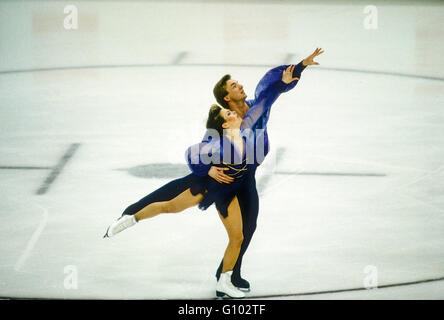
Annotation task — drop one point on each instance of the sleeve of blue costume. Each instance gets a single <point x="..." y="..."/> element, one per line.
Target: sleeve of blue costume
<point x="267" y="91"/>
<point x="200" y="157"/>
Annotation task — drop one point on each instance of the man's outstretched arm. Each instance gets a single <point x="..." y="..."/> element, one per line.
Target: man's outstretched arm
<point x="284" y="78"/>
<point x="275" y="81"/>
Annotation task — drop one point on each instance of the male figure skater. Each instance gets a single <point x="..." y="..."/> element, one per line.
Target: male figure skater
<point x="229" y="94"/>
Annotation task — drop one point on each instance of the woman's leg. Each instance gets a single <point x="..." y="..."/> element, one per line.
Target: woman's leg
<point x="167" y="192"/>
<point x="233" y="225"/>
<point x="249" y="204"/>
<point x="181" y="202"/>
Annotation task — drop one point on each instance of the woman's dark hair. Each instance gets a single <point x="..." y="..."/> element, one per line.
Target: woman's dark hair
<point x="220" y="91"/>
<point x="215" y="119"/>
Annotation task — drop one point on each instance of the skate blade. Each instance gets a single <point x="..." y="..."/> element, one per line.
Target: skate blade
<point x="222" y="295"/>
<point x="106" y="234"/>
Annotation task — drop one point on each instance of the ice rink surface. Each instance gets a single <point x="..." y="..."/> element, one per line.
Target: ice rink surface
<point x="93" y="119"/>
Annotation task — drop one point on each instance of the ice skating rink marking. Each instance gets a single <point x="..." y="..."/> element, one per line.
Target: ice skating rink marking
<point x="34" y="238"/>
<point x="57" y="169"/>
<point x="400" y="284"/>
<point x="24" y="168"/>
<point x="280" y="296"/>
<point x="342" y="174"/>
<point x="181" y="55"/>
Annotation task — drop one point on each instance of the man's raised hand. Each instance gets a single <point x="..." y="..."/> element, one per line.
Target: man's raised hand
<point x="309" y="60"/>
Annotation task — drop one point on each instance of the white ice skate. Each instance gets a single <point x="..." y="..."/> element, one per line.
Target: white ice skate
<point x="119" y="225"/>
<point x="225" y="288"/>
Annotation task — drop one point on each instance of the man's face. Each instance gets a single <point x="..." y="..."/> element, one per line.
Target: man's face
<point x="235" y="91"/>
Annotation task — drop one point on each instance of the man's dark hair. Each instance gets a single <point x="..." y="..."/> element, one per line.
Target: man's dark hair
<point x="215" y="119"/>
<point x="220" y="91"/>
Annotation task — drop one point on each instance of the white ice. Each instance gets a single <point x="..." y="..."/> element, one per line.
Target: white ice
<point x="132" y="85"/>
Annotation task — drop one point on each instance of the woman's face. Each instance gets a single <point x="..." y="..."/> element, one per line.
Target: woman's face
<point x="232" y="120"/>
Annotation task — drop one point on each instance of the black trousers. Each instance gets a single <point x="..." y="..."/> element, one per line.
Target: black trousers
<point x="248" y="202"/>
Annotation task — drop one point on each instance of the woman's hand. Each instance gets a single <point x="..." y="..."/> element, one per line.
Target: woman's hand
<point x="287" y="75"/>
<point x="218" y="174"/>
